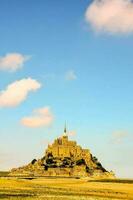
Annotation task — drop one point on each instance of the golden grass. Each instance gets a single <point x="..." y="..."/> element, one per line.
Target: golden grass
<point x="63" y="189"/>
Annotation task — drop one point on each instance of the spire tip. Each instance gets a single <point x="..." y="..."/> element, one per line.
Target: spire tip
<point x="65" y="130"/>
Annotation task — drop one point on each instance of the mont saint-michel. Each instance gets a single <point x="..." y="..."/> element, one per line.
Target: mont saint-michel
<point x="64" y="158"/>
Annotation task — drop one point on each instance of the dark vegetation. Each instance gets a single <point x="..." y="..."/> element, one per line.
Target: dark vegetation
<point x="99" y="165"/>
<point x="129" y="181"/>
<point x="33" y="161"/>
<point x="80" y="162"/>
<point x="89" y="170"/>
<point x="4" y="173"/>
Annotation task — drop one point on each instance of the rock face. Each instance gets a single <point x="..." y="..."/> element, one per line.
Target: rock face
<point x="64" y="158"/>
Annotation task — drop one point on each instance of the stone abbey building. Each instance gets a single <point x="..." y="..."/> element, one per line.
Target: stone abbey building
<point x="64" y="158"/>
<point x="62" y="147"/>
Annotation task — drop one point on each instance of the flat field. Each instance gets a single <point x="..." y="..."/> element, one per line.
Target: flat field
<point x="64" y="189"/>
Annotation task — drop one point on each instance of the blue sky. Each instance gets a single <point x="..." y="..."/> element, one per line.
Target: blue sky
<point x="97" y="102"/>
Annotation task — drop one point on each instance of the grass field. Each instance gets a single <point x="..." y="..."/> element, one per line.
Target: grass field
<point x="64" y="189"/>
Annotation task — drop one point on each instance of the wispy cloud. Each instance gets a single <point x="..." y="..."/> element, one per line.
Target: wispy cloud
<point x="119" y="136"/>
<point x="71" y="133"/>
<point x="17" y="92"/>
<point x="48" y="76"/>
<point x="70" y="75"/>
<point x="40" y="117"/>
<point x="13" y="61"/>
<point x="112" y="16"/>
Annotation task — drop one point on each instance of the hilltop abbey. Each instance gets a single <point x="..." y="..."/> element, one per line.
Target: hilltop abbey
<point x="64" y="158"/>
<point x="62" y="147"/>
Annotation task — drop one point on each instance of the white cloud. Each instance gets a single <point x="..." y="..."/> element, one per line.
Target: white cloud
<point x="41" y="117"/>
<point x="119" y="136"/>
<point x="70" y="75"/>
<point x="17" y="92"/>
<point x="12" y="61"/>
<point x="112" y="16"/>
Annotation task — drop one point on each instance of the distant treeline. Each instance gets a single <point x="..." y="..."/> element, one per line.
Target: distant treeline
<point x="4" y="173"/>
<point x="113" y="180"/>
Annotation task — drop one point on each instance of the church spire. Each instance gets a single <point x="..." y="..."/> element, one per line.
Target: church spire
<point x="65" y="129"/>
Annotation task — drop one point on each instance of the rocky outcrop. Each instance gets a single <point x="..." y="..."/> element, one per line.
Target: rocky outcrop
<point x="64" y="158"/>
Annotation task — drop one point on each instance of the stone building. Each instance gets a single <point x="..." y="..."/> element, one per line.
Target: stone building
<point x="65" y="158"/>
<point x="62" y="147"/>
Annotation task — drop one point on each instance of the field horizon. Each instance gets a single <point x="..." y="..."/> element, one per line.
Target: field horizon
<point x="55" y="188"/>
